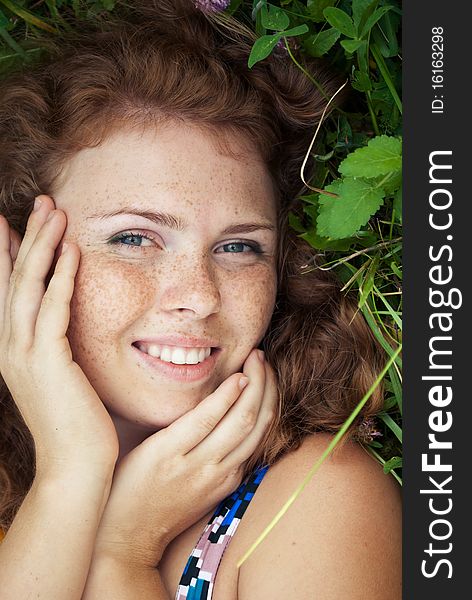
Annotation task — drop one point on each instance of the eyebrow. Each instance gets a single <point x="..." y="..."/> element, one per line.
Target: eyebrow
<point x="178" y="224"/>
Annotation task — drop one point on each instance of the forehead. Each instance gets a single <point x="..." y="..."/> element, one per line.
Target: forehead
<point x="174" y="165"/>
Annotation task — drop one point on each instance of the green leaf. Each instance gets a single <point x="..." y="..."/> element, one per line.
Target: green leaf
<point x="352" y="45"/>
<point x="295" y="31"/>
<point x="295" y="222"/>
<point x="262" y="48"/>
<point x="389" y="402"/>
<point x="359" y="8"/>
<point x="310" y="208"/>
<point x="382" y="155"/>
<point x="361" y="82"/>
<point x="321" y="243"/>
<point x="386" y="40"/>
<point x="322" y="42"/>
<point x="395" y="269"/>
<point x="394" y="463"/>
<point x="340" y="20"/>
<point x="375" y="444"/>
<point x="372" y="20"/>
<point x="390" y="182"/>
<point x="233" y="6"/>
<point x="316" y="8"/>
<point x="274" y="17"/>
<point x="341" y="217"/>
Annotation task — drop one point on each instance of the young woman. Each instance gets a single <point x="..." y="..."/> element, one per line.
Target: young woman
<point x="166" y="362"/>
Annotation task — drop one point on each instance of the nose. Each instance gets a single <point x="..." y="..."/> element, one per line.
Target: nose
<point x="190" y="288"/>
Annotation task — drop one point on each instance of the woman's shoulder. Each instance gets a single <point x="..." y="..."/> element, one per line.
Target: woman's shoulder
<point x="349" y="458"/>
<point x="340" y="537"/>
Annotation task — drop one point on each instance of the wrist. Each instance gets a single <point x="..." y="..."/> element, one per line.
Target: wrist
<point x="125" y="553"/>
<point x="76" y="487"/>
<point x="74" y="472"/>
<point x="114" y="576"/>
<point x="120" y="541"/>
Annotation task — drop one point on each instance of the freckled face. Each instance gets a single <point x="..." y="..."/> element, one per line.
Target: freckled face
<point x="202" y="271"/>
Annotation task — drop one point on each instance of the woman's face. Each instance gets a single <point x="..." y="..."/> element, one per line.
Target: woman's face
<point x="177" y="246"/>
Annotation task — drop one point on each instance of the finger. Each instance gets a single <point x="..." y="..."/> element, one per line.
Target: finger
<point x="267" y="414"/>
<point x="194" y="426"/>
<point x="29" y="283"/>
<point x="35" y="221"/>
<point x="54" y="314"/>
<point x="6" y="267"/>
<point x="240" y="420"/>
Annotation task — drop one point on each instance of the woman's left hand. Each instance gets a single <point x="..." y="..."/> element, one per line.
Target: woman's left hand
<point x="180" y="473"/>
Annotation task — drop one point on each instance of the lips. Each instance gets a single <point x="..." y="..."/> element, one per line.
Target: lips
<point x="177" y="371"/>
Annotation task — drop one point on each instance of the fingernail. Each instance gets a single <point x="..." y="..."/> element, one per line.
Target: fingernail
<point x="51" y="215"/>
<point x="243" y="382"/>
<point x="261" y="355"/>
<point x="65" y="245"/>
<point x="37" y="204"/>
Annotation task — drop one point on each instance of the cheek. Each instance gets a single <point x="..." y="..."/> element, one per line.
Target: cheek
<point x="107" y="297"/>
<point x="249" y="302"/>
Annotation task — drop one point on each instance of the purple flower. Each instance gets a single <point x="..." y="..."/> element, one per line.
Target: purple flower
<point x="212" y="5"/>
<point x="281" y="46"/>
<point x="367" y="431"/>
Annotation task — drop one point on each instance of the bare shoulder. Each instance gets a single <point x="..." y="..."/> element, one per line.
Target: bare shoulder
<point x="341" y="538"/>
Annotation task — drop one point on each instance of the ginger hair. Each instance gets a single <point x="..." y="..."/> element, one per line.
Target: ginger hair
<point x="161" y="60"/>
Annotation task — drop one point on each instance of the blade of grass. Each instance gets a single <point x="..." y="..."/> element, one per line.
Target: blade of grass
<point x="356" y="275"/>
<point x="27" y="16"/>
<point x="15" y="55"/>
<point x="12" y="43"/>
<point x="386" y="75"/>
<point x="320" y="461"/>
<point x="382" y="461"/>
<point x="303" y="70"/>
<point x="396" y="387"/>
<point x="367" y="284"/>
<point x="390" y="423"/>
<point x="383" y="324"/>
<point x="391" y="311"/>
<point x="366" y="311"/>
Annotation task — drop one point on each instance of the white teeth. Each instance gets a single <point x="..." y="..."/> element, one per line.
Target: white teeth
<point x="154" y="350"/>
<point x="166" y="354"/>
<point x="178" y="356"/>
<point x="193" y="357"/>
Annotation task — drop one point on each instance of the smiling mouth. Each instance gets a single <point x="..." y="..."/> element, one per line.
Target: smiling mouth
<point x="177" y="355"/>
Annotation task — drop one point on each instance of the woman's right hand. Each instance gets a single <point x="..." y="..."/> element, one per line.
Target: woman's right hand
<point x="180" y="473"/>
<point x="68" y="421"/>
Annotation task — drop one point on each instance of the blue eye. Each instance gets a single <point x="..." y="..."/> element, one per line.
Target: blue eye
<point x="238" y="247"/>
<point x="124" y="239"/>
